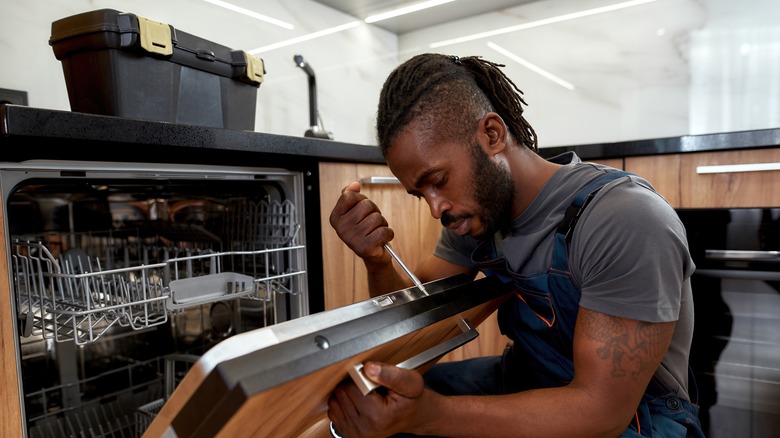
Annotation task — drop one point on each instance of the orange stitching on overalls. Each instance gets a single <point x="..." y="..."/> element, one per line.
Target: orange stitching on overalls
<point x="546" y="321"/>
<point x="638" y="427"/>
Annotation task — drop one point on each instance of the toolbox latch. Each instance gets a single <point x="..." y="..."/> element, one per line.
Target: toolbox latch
<point x="255" y="68"/>
<point x="155" y="36"/>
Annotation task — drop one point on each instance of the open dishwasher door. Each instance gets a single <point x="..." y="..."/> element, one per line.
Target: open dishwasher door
<point x="275" y="381"/>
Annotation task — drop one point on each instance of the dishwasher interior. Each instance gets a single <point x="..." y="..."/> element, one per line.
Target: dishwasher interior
<point x="124" y="274"/>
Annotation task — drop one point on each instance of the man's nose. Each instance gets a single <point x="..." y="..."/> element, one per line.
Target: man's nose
<point x="437" y="205"/>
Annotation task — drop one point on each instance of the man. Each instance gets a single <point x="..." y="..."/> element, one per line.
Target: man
<point x="601" y="320"/>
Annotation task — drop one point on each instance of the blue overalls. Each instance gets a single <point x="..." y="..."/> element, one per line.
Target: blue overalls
<point x="541" y="318"/>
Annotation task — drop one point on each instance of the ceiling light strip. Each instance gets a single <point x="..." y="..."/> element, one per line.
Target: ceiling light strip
<point x="731" y="168"/>
<point x="530" y="66"/>
<point x="252" y="14"/>
<point x="306" y="37"/>
<point x="405" y="10"/>
<point x="539" y="23"/>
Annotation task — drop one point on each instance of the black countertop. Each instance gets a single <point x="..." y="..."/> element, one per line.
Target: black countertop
<point x="673" y="145"/>
<point x="36" y="133"/>
<point x="33" y="133"/>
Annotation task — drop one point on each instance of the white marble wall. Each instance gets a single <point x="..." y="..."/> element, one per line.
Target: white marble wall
<point x="665" y="68"/>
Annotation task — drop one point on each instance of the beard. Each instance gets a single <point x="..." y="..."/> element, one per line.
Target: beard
<point x="494" y="192"/>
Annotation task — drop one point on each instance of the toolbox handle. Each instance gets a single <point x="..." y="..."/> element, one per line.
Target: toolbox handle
<point x="206" y="55"/>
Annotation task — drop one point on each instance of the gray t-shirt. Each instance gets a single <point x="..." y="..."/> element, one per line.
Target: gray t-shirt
<point x="629" y="253"/>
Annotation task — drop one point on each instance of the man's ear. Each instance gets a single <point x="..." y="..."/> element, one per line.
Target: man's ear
<point x="494" y="131"/>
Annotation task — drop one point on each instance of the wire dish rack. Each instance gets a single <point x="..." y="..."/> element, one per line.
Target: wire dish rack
<point x="125" y="412"/>
<point x="102" y="281"/>
<point x="176" y="366"/>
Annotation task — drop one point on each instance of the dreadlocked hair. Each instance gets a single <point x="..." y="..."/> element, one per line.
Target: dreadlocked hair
<point x="449" y="95"/>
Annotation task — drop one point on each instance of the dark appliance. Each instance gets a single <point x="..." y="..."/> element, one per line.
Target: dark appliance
<point x="123" y="274"/>
<point x="735" y="354"/>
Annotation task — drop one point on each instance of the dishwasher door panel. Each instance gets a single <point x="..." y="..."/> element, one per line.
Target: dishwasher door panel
<point x="276" y="381"/>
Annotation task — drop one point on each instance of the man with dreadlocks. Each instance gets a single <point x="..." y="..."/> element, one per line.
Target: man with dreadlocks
<point x="601" y="320"/>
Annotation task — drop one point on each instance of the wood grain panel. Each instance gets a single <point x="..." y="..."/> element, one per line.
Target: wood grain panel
<point x="730" y="189"/>
<point x="339" y="260"/>
<point x="10" y="408"/>
<point x="662" y="171"/>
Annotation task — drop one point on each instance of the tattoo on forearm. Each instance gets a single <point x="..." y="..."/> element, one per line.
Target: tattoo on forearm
<point x="631" y="353"/>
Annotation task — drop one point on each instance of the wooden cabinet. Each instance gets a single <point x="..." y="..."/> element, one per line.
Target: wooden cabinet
<point x="10" y="405"/>
<point x="416" y="234"/>
<point x="730" y="185"/>
<point x="662" y="171"/>
<point x="690" y="180"/>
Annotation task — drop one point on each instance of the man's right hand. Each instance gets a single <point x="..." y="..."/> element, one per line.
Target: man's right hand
<point x="360" y="224"/>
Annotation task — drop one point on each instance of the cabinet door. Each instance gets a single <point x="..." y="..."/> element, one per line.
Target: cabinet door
<point x="739" y="183"/>
<point x="662" y="171"/>
<point x="338" y="260"/>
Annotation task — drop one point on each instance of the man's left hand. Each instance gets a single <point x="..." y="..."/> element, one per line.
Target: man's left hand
<point x="391" y="410"/>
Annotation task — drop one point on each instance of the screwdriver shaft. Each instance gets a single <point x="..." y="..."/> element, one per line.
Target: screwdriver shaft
<point x="406" y="269"/>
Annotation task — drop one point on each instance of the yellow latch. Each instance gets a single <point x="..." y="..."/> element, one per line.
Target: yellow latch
<point x="155" y="36"/>
<point x="255" y="69"/>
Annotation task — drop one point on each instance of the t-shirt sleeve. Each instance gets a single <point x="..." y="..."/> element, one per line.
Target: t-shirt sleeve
<point x="630" y="253"/>
<point x="455" y="249"/>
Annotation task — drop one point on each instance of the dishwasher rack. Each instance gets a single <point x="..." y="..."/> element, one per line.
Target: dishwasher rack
<point x="124" y="412"/>
<point x="102" y="281"/>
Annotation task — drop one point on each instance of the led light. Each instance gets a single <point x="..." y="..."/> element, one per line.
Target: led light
<point x="249" y="13"/>
<point x="530" y="66"/>
<point x="405" y="10"/>
<point x="303" y="38"/>
<point x="539" y="23"/>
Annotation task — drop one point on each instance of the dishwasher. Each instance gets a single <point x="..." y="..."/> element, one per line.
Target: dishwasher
<point x="123" y="274"/>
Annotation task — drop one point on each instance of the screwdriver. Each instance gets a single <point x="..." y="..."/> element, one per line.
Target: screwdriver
<point x="406" y="269"/>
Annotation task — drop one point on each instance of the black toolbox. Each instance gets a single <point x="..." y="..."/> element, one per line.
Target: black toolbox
<point x="121" y="64"/>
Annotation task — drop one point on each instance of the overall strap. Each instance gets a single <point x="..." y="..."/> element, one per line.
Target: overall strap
<point x="581" y="200"/>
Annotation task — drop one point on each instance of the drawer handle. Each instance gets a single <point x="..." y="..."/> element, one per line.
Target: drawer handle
<point x="732" y="168"/>
<point x="380" y="180"/>
<point x="435" y="352"/>
<point x="731" y="254"/>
